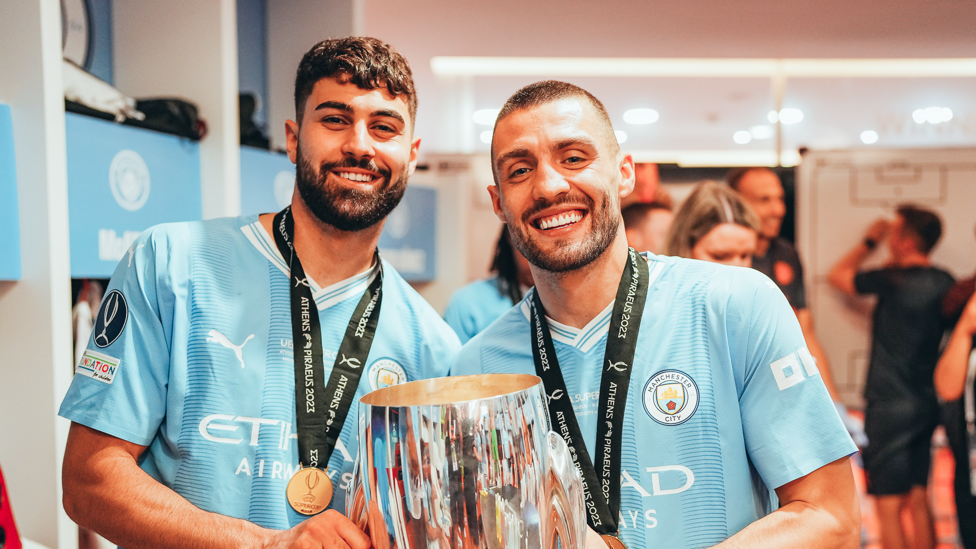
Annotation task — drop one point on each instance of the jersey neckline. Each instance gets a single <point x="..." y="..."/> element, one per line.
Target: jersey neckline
<point x="329" y="296"/>
<point x="585" y="338"/>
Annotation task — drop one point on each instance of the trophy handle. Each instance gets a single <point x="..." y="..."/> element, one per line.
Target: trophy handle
<point x="566" y="519"/>
<point x="356" y="497"/>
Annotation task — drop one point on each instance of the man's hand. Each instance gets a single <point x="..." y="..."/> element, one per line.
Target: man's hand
<point x="878" y="230"/>
<point x="326" y="531"/>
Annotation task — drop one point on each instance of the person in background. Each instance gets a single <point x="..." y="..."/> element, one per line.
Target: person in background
<point x="475" y="306"/>
<point x="902" y="410"/>
<point x="646" y="225"/>
<point x="955" y="383"/>
<point x="683" y="388"/>
<point x="714" y="224"/>
<point x="186" y="431"/>
<point x="777" y="258"/>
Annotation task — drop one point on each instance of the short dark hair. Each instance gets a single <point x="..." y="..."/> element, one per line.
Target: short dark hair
<point x="635" y="214"/>
<point x="548" y="91"/>
<point x="924" y="225"/>
<point x="364" y="61"/>
<point x="504" y="264"/>
<point x="735" y="175"/>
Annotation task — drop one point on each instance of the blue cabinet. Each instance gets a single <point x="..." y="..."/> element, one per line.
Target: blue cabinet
<point x="121" y="181"/>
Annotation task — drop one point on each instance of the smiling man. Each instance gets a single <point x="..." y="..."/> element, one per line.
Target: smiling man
<point x="211" y="408"/>
<point x="684" y="388"/>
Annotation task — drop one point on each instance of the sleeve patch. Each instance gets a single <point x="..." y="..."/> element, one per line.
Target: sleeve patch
<point x="111" y="319"/>
<point x="98" y="366"/>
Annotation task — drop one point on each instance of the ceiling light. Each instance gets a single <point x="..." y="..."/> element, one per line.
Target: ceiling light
<point x="932" y="115"/>
<point x="761" y="132"/>
<point x="742" y="137"/>
<point x="869" y="137"/>
<point x="486" y="136"/>
<point x="773" y="116"/>
<point x="641" y="116"/>
<point x="790" y="116"/>
<point x="485" y="117"/>
<point x="621" y="136"/>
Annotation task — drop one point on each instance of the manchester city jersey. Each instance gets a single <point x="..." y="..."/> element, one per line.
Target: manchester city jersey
<point x="474" y="307"/>
<point x="725" y="402"/>
<point x="192" y="356"/>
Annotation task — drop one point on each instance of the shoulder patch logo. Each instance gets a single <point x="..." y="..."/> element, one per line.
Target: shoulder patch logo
<point x="98" y="366"/>
<point x="671" y="397"/>
<point x="111" y="319"/>
<point x="385" y="372"/>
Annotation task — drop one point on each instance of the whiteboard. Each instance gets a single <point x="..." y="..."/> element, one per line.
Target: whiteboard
<point x="839" y="194"/>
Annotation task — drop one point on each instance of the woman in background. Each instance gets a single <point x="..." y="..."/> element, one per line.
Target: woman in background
<point x="714" y="224"/>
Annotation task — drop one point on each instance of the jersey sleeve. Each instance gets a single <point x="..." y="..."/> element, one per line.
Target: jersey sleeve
<point x="872" y="282"/>
<point x="458" y="320"/>
<point x="468" y="361"/>
<point x="790" y="425"/>
<point x="120" y="384"/>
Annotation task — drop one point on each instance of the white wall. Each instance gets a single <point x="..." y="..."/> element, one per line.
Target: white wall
<point x="35" y="324"/>
<point x="294" y="26"/>
<point x="188" y="49"/>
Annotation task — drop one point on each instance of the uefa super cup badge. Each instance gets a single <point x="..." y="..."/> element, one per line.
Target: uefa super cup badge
<point x="671" y="397"/>
<point x="310" y="491"/>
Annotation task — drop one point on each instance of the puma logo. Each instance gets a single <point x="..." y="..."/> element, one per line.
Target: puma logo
<point x="217" y="337"/>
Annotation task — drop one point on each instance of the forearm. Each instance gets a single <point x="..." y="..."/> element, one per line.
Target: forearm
<point x="950" y="373"/>
<point x="109" y="494"/>
<point x="796" y="524"/>
<point x="843" y="273"/>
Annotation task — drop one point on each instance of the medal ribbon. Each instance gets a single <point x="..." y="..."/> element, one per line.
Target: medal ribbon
<point x="601" y="484"/>
<point x="320" y="408"/>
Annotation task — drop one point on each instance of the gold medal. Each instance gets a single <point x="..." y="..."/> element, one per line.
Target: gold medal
<point x="613" y="542"/>
<point x="309" y="491"/>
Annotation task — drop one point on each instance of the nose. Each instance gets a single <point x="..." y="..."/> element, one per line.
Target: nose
<point x="549" y="183"/>
<point x="358" y="143"/>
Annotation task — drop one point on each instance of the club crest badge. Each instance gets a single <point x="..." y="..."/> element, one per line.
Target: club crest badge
<point x="385" y="372"/>
<point x="671" y="397"/>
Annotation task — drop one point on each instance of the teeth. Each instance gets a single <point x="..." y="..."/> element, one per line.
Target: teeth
<point x="360" y="177"/>
<point x="560" y="220"/>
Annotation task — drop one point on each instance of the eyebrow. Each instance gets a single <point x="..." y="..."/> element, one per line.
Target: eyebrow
<point x="390" y="113"/>
<point x="579" y="141"/>
<point x="520" y="152"/>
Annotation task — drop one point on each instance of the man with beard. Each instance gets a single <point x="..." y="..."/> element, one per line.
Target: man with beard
<point x="683" y="389"/>
<point x="185" y="427"/>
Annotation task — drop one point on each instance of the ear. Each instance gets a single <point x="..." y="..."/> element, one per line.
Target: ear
<point x="496" y="202"/>
<point x="627" y="175"/>
<point x="291" y="139"/>
<point x="414" y="148"/>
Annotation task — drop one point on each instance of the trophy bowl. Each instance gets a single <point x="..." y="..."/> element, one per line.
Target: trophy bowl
<point x="464" y="462"/>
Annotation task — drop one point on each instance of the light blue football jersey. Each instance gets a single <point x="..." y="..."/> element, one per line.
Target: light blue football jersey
<point x="193" y="357"/>
<point x="475" y="306"/>
<point x="725" y="402"/>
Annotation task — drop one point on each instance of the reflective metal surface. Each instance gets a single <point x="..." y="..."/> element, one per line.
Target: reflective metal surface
<point x="464" y="463"/>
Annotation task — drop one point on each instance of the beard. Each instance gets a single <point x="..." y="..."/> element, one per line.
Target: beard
<point x="565" y="255"/>
<point x="347" y="209"/>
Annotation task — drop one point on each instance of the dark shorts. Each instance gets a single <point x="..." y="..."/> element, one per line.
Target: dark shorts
<point x="899" y="453"/>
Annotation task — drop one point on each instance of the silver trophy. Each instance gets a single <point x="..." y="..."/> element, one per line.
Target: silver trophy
<point x="464" y="463"/>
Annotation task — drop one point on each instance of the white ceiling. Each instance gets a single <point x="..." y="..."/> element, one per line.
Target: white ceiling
<point x="698" y="113"/>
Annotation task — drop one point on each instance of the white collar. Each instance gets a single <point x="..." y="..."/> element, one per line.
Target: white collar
<point x="324" y="297"/>
<point x="586" y="337"/>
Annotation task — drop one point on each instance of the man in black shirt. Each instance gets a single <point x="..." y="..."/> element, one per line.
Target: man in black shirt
<point x="902" y="410"/>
